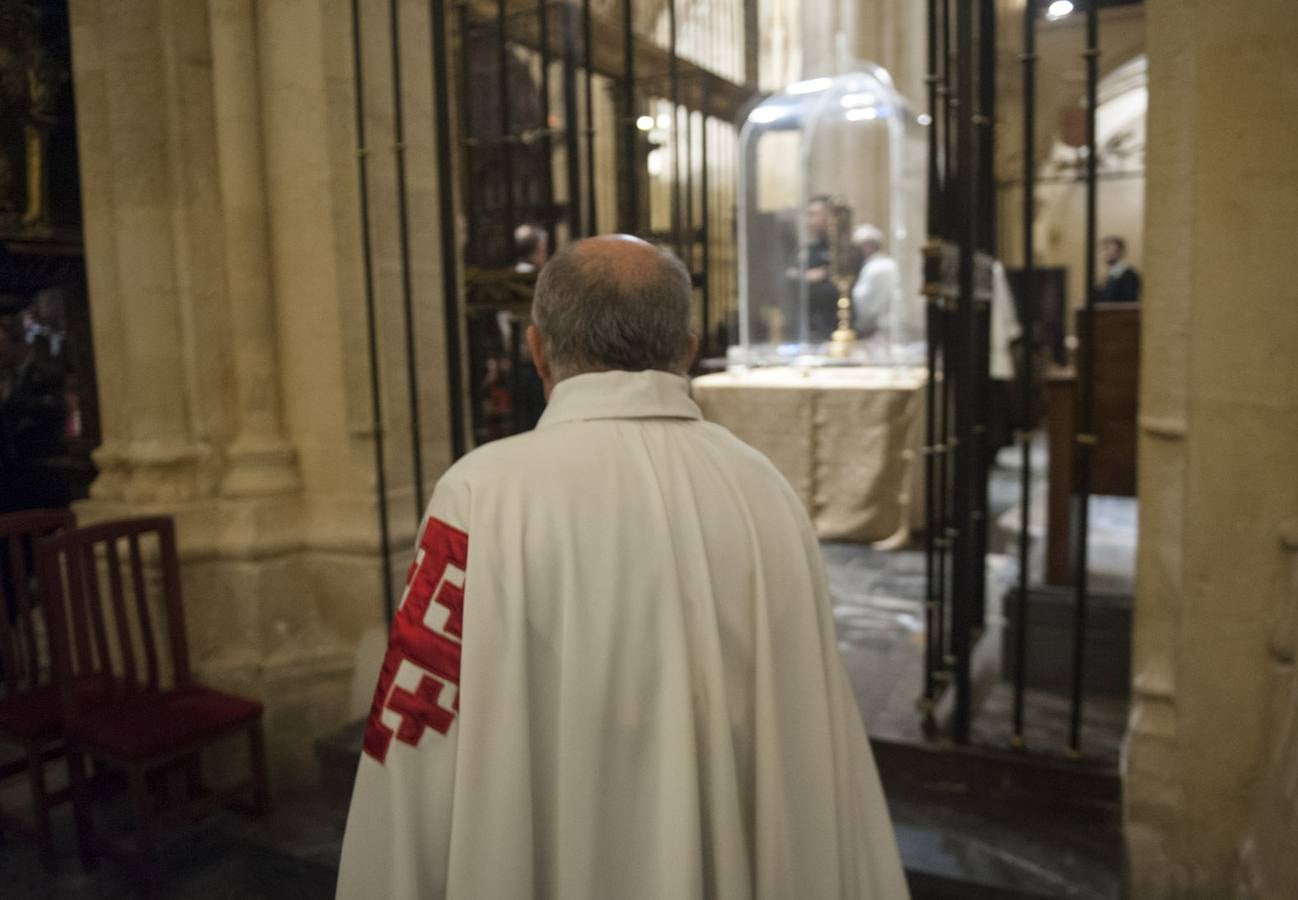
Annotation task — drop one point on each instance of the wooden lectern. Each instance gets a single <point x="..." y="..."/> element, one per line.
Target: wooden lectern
<point x="1113" y="458"/>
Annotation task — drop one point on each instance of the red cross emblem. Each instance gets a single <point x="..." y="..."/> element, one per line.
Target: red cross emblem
<point x="422" y="665"/>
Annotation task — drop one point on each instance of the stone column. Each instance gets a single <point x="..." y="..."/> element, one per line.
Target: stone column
<point x="131" y="254"/>
<point x="259" y="461"/>
<point x="1219" y="434"/>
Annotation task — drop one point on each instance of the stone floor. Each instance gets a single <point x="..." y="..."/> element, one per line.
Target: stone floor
<point x="961" y="836"/>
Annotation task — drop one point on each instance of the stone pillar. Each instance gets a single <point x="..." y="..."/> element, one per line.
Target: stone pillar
<point x="260" y="461"/>
<point x="1219" y="435"/>
<point x="218" y="160"/>
<point x="149" y="451"/>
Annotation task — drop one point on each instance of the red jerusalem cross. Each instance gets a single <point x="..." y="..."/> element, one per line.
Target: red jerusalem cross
<point x="420" y="710"/>
<point x="426" y="635"/>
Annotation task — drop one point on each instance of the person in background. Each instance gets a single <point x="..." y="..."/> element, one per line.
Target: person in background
<point x="1122" y="285"/>
<point x="876" y="296"/>
<point x="822" y="296"/>
<point x="531" y="248"/>
<point x="33" y="419"/>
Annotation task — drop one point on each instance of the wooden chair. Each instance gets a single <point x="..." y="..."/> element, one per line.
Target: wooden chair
<point x="131" y="637"/>
<point x="30" y="715"/>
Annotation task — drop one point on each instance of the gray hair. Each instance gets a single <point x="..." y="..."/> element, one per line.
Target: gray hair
<point x="597" y="313"/>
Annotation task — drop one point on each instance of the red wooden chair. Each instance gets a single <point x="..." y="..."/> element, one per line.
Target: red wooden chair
<point x="30" y="714"/>
<point x="129" y="633"/>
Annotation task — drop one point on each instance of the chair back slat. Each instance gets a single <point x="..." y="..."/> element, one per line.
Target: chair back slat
<point x="81" y="653"/>
<point x="142" y="610"/>
<point x="91" y="563"/>
<point x="15" y="635"/>
<point x="95" y="610"/>
<point x="175" y="609"/>
<point x="121" y="620"/>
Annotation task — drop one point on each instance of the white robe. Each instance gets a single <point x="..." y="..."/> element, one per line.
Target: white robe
<point x="876" y="297"/>
<point x="1005" y="328"/>
<point x="615" y="675"/>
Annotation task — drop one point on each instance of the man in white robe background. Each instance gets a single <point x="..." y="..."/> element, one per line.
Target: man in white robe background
<point x="614" y="672"/>
<point x="876" y="294"/>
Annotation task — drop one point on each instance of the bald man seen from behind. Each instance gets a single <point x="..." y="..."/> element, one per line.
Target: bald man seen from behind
<point x="614" y="675"/>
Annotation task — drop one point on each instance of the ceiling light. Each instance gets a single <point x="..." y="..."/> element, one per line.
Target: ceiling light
<point x="861" y="114"/>
<point x="809" y="87"/>
<point x="645" y="123"/>
<point x="1058" y="9"/>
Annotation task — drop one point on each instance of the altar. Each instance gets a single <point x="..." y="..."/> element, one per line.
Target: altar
<point x="847" y="439"/>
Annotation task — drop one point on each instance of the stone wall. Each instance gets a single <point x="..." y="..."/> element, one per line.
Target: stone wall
<point x="1210" y="762"/>
<point x="224" y="248"/>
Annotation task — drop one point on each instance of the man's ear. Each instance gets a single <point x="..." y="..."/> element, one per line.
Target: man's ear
<point x="539" y="359"/>
<point x="694" y="352"/>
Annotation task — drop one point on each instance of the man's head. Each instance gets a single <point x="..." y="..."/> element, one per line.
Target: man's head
<point x="531" y="245"/>
<point x="611" y="303"/>
<point x="817" y="217"/>
<point x="1113" y="248"/>
<point x="869" y="239"/>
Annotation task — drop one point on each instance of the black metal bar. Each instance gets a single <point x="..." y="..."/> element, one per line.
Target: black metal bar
<point x="688" y="215"/>
<point x="547" y="141"/>
<point x="592" y="224"/>
<point x="706" y="228"/>
<point x="932" y="609"/>
<point x="942" y="447"/>
<point x="1086" y="386"/>
<point x="966" y="459"/>
<point x="506" y="118"/>
<point x="447" y="227"/>
<point x="673" y="69"/>
<point x="986" y="122"/>
<point x="403" y="242"/>
<point x="517" y="425"/>
<point x="1027" y="307"/>
<point x="470" y="209"/>
<point x="572" y="116"/>
<point x="932" y="80"/>
<point x="984" y="234"/>
<point x="630" y="136"/>
<point x="949" y="105"/>
<point x="371" y="319"/>
<point x="932" y="634"/>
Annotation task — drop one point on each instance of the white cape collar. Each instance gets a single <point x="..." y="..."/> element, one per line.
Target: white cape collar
<point x="650" y="394"/>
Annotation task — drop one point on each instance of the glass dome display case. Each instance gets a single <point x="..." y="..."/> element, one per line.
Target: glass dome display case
<point x="831" y="224"/>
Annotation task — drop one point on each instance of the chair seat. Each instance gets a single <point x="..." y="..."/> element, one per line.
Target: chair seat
<point x="150" y="724"/>
<point x="37" y="715"/>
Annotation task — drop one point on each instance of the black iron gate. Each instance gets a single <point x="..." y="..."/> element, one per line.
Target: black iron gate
<point x="958" y="262"/>
<point x="546" y="113"/>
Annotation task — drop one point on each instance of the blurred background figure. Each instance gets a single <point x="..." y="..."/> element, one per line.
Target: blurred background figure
<point x="531" y="248"/>
<point x="822" y="298"/>
<point x="33" y="416"/>
<point x="877" y="292"/>
<point x="1123" y="282"/>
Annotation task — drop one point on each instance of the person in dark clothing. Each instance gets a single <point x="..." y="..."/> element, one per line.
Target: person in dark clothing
<point x="822" y="296"/>
<point x="33" y="415"/>
<point x="1123" y="282"/>
<point x="531" y="250"/>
